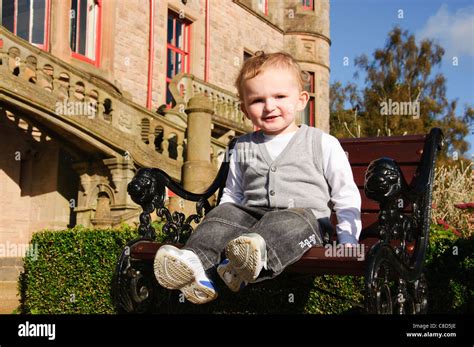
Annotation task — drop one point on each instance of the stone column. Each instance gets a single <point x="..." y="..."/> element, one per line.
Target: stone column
<point x="122" y="171"/>
<point x="84" y="213"/>
<point x="198" y="171"/>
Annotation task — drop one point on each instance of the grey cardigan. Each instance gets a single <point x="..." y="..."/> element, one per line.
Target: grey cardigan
<point x="294" y="179"/>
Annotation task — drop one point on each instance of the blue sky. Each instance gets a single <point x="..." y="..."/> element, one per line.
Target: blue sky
<point x="361" y="26"/>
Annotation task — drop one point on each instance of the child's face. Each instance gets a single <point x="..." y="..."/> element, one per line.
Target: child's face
<point x="272" y="99"/>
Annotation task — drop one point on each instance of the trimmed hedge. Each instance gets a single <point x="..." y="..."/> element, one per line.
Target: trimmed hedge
<point x="72" y="271"/>
<point x="74" y="268"/>
<point x="450" y="272"/>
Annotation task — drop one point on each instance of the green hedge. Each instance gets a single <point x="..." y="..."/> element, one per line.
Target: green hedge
<point x="72" y="271"/>
<point x="450" y="272"/>
<point x="73" y="274"/>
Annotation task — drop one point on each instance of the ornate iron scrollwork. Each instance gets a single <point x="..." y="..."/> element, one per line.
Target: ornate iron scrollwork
<point x="386" y="285"/>
<point x="385" y="183"/>
<point x="419" y="293"/>
<point x="177" y="227"/>
<point x="147" y="190"/>
<point x="394" y="279"/>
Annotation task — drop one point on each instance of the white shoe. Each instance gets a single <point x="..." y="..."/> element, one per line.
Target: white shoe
<point x="247" y="255"/>
<point x="230" y="277"/>
<point x="181" y="269"/>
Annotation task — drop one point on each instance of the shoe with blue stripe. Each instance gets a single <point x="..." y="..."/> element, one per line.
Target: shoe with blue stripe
<point x="181" y="269"/>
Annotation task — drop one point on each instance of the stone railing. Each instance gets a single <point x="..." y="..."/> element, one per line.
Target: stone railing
<point x="226" y="105"/>
<point x="93" y="107"/>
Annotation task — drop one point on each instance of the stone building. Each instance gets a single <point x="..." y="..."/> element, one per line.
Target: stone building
<point x="91" y="90"/>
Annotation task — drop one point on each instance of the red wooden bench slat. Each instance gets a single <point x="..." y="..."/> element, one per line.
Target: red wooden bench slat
<point x="404" y="149"/>
<point x="315" y="261"/>
<point x="314" y="258"/>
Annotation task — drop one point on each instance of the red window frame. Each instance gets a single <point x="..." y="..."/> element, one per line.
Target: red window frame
<point x="311" y="111"/>
<point x="308" y="4"/>
<point x="47" y="24"/>
<point x="98" y="42"/>
<point x="186" y="53"/>
<point x="265" y="7"/>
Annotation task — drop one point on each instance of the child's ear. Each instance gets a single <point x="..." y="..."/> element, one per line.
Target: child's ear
<point x="302" y="100"/>
<point x="242" y="108"/>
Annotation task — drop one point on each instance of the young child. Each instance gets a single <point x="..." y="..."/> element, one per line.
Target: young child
<point x="281" y="183"/>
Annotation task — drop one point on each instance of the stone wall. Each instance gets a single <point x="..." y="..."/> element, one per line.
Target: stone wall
<point x="234" y="29"/>
<point x="235" y="26"/>
<point x="131" y="48"/>
<point x="29" y="178"/>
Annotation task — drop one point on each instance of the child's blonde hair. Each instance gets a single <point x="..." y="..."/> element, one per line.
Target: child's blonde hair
<point x="261" y="61"/>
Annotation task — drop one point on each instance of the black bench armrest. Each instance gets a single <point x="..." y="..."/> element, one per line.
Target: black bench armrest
<point x="425" y="171"/>
<point x="147" y="189"/>
<point x="404" y="236"/>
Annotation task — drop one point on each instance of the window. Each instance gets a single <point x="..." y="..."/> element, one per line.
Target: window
<point x="308" y="117"/>
<point x="263" y="6"/>
<point x="85" y="17"/>
<point x="308" y="4"/>
<point x="178" y="49"/>
<point x="28" y="19"/>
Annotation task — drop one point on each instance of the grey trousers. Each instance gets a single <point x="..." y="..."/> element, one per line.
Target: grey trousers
<point x="288" y="234"/>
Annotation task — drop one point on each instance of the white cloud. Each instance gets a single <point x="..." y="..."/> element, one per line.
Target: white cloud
<point x="453" y="31"/>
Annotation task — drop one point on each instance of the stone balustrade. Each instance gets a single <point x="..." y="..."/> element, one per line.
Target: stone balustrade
<point x="89" y="102"/>
<point x="226" y="105"/>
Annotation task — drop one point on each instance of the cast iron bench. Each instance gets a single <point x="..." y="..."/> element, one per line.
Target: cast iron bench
<point x="395" y="178"/>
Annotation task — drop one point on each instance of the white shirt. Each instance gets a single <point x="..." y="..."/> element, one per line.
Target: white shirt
<point x="338" y="173"/>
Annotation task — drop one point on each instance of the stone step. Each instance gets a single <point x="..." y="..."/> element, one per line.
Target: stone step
<point x="11" y="262"/>
<point x="9" y="299"/>
<point x="9" y="273"/>
<point x="10" y="268"/>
